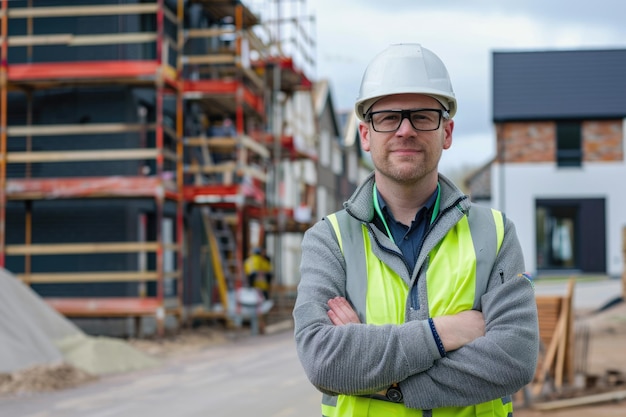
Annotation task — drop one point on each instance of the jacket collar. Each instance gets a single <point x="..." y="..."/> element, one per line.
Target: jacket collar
<point x="360" y="204"/>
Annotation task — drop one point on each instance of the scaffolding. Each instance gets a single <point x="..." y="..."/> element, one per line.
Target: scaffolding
<point x="232" y="81"/>
<point x="194" y="140"/>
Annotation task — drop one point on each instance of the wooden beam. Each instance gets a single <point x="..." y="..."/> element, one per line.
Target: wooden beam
<point x="59" y="73"/>
<point x="569" y="354"/>
<point x="563" y="355"/>
<point x="82" y="40"/>
<point x="64" y="11"/>
<point x="557" y="357"/>
<point x="255" y="146"/>
<point x="60" y="39"/>
<point x="252" y="76"/>
<point x="209" y="59"/>
<point x="92" y="187"/>
<point x="79" y="129"/>
<point x="589" y="399"/>
<point x="207" y="33"/>
<point x="226" y="142"/>
<point x="173" y="274"/>
<point x="256" y="43"/>
<point x="112" y="307"/>
<point x="170" y="15"/>
<point x="112" y="38"/>
<point x="212" y="142"/>
<point x="212" y="169"/>
<point x="253" y="172"/>
<point x="170" y="155"/>
<point x="170" y="133"/>
<point x="548" y="358"/>
<point x="624" y="266"/>
<point x="80" y="248"/>
<point x="76" y="156"/>
<point x="78" y="277"/>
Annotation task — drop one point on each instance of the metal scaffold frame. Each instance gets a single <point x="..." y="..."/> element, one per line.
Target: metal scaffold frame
<point x="35" y="75"/>
<point x="223" y="74"/>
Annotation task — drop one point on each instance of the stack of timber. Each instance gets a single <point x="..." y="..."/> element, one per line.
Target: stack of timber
<point x="556" y="361"/>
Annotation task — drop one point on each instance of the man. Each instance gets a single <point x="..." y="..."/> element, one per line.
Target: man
<point x="258" y="269"/>
<point x="412" y="300"/>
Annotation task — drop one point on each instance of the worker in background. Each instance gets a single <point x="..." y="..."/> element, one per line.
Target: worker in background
<point x="258" y="269"/>
<point x="412" y="300"/>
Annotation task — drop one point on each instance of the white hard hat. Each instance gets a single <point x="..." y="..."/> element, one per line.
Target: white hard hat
<point x="405" y="68"/>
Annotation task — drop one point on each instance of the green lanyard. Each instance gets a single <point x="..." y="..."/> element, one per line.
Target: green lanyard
<point x="380" y="213"/>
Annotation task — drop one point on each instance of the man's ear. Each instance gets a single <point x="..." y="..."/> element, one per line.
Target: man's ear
<point x="448" y="127"/>
<point x="364" y="134"/>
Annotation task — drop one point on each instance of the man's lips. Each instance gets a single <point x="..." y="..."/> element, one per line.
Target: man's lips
<point x="406" y="150"/>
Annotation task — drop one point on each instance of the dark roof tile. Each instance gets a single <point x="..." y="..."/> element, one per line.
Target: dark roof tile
<point x="577" y="84"/>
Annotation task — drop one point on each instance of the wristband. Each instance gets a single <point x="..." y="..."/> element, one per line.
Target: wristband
<point x="442" y="350"/>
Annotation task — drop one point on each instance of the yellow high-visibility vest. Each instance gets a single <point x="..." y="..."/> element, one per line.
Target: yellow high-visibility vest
<point x="380" y="295"/>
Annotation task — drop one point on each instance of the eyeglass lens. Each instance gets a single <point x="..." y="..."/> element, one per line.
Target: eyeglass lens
<point x="390" y="120"/>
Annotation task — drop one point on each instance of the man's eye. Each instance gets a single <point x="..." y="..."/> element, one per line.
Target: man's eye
<point x="423" y="118"/>
<point x="390" y="117"/>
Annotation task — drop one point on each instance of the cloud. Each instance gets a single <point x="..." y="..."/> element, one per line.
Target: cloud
<point x="464" y="34"/>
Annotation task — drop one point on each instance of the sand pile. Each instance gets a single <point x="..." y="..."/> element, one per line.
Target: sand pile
<point x="37" y="344"/>
<point x="44" y="378"/>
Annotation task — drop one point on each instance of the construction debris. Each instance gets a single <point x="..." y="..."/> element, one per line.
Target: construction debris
<point x="556" y="333"/>
<point x="42" y="378"/>
<point x="584" y="400"/>
<point x="576" y="366"/>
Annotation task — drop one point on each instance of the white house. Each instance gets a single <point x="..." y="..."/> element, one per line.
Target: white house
<point x="560" y="170"/>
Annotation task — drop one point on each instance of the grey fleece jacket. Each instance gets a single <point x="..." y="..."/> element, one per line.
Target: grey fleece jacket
<point x="357" y="359"/>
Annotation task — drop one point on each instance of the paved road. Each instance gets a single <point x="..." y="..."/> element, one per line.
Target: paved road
<point x="255" y="376"/>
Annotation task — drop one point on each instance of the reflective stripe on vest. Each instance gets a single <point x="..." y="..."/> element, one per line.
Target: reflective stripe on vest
<point x="466" y="256"/>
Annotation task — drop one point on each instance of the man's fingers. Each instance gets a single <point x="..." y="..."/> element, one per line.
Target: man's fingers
<point x="342" y="312"/>
<point x="333" y="317"/>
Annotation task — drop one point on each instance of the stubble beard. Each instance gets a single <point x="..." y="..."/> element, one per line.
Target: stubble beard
<point x="409" y="169"/>
<point x="406" y="170"/>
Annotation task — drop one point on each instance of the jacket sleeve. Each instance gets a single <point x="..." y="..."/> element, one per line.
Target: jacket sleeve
<point x="501" y="362"/>
<point x="351" y="359"/>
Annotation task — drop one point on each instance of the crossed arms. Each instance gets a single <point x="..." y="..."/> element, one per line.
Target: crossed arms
<point x="490" y="354"/>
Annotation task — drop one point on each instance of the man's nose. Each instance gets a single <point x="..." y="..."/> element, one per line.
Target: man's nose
<point x="405" y="126"/>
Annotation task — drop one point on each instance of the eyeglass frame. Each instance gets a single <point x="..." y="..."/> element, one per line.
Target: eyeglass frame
<point x="405" y="114"/>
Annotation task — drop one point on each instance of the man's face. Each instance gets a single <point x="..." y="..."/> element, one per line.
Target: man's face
<point x="406" y="155"/>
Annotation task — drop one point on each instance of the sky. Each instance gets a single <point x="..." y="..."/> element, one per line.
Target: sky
<point x="464" y="34"/>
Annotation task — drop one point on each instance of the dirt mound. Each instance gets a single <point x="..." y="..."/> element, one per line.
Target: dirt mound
<point x="40" y="378"/>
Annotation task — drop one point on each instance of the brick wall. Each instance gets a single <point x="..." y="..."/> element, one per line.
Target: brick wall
<point x="602" y="141"/>
<point x="536" y="141"/>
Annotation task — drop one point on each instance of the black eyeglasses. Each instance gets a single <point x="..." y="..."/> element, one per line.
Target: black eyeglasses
<point x="421" y="119"/>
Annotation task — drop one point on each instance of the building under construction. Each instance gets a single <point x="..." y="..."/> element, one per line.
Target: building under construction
<point x="146" y="147"/>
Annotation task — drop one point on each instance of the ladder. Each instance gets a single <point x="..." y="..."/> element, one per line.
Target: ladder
<point x="223" y="249"/>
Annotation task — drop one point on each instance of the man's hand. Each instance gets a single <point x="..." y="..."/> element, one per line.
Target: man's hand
<point x="459" y="329"/>
<point x="341" y="312"/>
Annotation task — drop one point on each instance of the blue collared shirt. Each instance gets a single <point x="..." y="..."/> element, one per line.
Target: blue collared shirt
<point x="409" y="238"/>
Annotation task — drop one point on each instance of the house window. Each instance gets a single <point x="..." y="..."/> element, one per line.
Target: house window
<point x="337" y="159"/>
<point x="571" y="235"/>
<point x="569" y="144"/>
<point x="556" y="236"/>
<point x="325" y="151"/>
